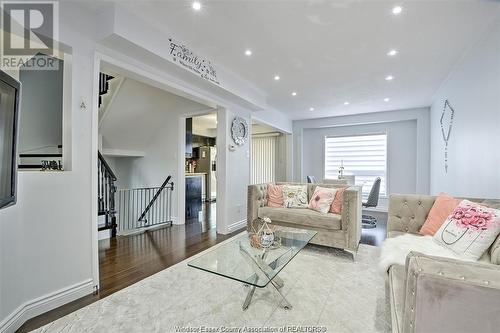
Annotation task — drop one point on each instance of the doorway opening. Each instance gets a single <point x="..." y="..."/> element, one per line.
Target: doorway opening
<point x="201" y="171"/>
<point x="269" y="153"/>
<point x="139" y="139"/>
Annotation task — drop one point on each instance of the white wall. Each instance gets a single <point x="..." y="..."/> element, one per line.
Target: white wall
<point x="473" y="89"/>
<point x="41" y="105"/>
<point x="401" y="151"/>
<point x="46" y="239"/>
<point x="283" y="157"/>
<point x="159" y="161"/>
<point x="274" y="119"/>
<point x="138" y="112"/>
<point x="237" y="171"/>
<point x="205" y="125"/>
<point x="408" y="146"/>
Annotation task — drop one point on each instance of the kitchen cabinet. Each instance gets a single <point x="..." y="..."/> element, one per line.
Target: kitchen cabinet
<point x="194" y="186"/>
<point x="194" y="192"/>
<point x="189" y="137"/>
<point x="201" y="141"/>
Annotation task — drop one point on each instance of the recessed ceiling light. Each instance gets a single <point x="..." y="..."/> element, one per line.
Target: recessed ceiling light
<point x="276" y="77"/>
<point x="386" y="99"/>
<point x="346" y="103"/>
<point x="311" y="109"/>
<point x="392" y="53"/>
<point x="196" y="5"/>
<point x="294" y="93"/>
<point x="248" y="52"/>
<point x="397" y="10"/>
<point x="389" y="78"/>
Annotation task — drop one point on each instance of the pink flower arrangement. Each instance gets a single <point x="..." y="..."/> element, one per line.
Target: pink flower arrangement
<point x="472" y="217"/>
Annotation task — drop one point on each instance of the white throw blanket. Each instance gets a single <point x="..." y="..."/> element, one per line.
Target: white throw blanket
<point x="395" y="250"/>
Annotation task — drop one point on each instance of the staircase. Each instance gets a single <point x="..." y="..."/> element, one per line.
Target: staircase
<point x="109" y="85"/>
<point x="104" y="86"/>
<point x="106" y="195"/>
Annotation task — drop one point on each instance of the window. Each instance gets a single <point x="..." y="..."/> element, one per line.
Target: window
<point x="263" y="159"/>
<point x="364" y="156"/>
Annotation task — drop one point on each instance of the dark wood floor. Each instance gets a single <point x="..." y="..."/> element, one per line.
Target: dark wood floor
<point x="375" y="236"/>
<point x="124" y="261"/>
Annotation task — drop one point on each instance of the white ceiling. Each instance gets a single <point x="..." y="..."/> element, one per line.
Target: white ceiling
<point x="330" y="52"/>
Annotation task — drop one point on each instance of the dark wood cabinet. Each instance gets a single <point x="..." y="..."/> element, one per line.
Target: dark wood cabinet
<point x="193" y="188"/>
<point x="189" y="137"/>
<point x="200" y="140"/>
<point x="193" y="196"/>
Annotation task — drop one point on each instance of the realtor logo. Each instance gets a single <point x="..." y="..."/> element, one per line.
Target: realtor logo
<point x="29" y="28"/>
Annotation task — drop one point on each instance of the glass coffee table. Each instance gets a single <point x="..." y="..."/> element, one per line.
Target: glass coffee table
<point x="257" y="268"/>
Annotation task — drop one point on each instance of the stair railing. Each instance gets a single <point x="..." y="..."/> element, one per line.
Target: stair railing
<point x="106" y="194"/>
<point x="146" y="207"/>
<point x="103" y="85"/>
<point x="142" y="218"/>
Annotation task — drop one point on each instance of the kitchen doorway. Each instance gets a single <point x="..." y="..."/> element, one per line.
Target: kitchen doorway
<point x="201" y="171"/>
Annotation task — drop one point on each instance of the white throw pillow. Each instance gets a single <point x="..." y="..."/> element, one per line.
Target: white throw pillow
<point x="322" y="199"/>
<point x="295" y="196"/>
<point x="470" y="230"/>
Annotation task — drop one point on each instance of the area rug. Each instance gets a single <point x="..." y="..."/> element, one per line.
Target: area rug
<point x="328" y="291"/>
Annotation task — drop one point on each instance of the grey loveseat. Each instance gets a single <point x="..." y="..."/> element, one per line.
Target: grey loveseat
<point x="433" y="294"/>
<point x="341" y="231"/>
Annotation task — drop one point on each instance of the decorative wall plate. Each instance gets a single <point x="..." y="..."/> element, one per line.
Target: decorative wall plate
<point x="239" y="131"/>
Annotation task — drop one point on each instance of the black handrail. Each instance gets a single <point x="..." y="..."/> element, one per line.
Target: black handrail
<point x="103" y="85"/>
<point x="106" y="194"/>
<point x="157" y="194"/>
<point x="106" y="166"/>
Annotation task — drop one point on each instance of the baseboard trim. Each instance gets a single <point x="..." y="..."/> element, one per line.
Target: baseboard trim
<point x="237" y="225"/>
<point x="104" y="234"/>
<point x="144" y="229"/>
<point x="45" y="303"/>
<point x="176" y="221"/>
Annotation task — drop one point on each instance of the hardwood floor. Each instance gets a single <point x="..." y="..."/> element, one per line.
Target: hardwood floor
<point x="375" y="236"/>
<point x="124" y="261"/>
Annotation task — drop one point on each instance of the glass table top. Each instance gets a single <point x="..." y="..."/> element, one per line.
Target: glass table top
<point x="238" y="260"/>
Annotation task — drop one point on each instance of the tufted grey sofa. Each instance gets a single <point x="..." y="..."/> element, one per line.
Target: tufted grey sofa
<point x="433" y="294"/>
<point x="341" y="231"/>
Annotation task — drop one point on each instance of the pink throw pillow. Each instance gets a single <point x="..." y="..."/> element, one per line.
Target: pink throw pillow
<point x="274" y="195"/>
<point x="322" y="199"/>
<point x="336" y="207"/>
<point x="442" y="208"/>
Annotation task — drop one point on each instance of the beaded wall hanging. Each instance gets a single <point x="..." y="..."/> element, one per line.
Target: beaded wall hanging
<point x="447" y="114"/>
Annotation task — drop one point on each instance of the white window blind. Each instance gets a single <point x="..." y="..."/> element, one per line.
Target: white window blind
<point x="263" y="159"/>
<point x="364" y="156"/>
